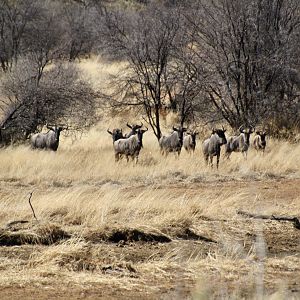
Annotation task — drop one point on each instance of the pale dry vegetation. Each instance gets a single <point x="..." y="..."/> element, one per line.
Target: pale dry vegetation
<point x="90" y="160"/>
<point x="164" y="228"/>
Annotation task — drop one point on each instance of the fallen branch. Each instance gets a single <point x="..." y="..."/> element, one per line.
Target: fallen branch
<point x="30" y="195"/>
<point x="294" y="220"/>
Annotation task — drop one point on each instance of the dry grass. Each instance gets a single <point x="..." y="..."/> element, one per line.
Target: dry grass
<point x="166" y="228"/>
<point x="118" y="216"/>
<point x="90" y="160"/>
<point x="97" y="71"/>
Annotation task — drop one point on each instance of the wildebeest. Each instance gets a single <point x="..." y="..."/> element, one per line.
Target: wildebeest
<point x="212" y="146"/>
<point x="189" y="141"/>
<point x="116" y="134"/>
<point x="239" y="143"/>
<point x="134" y="128"/>
<point x="172" y="142"/>
<point x="259" y="142"/>
<point x="49" y="140"/>
<point x="130" y="147"/>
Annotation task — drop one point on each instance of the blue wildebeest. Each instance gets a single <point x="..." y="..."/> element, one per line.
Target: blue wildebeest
<point x="212" y="146"/>
<point x="130" y="147"/>
<point x="189" y="141"/>
<point x="134" y="128"/>
<point x="259" y="141"/>
<point x="172" y="142"/>
<point x="49" y="140"/>
<point x="116" y="134"/>
<point x="239" y="143"/>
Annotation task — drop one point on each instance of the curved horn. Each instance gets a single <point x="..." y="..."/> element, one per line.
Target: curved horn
<point x="146" y="129"/>
<point x="241" y="128"/>
<point x="175" y="129"/>
<point x="109" y="131"/>
<point x="141" y="125"/>
<point x="223" y="128"/>
<point x="129" y="125"/>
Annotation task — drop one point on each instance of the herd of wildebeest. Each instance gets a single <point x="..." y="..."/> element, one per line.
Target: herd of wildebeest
<point x="130" y="144"/>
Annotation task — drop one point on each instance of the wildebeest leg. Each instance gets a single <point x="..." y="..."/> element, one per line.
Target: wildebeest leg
<point x="136" y="159"/>
<point x="206" y="159"/>
<point x="127" y="159"/>
<point x="218" y="159"/>
<point x="116" y="157"/>
<point x="227" y="155"/>
<point x="211" y="160"/>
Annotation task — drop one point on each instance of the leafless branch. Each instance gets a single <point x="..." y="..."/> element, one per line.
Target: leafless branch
<point x="30" y="195"/>
<point x="294" y="220"/>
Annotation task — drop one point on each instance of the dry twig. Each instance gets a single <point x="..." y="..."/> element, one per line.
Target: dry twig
<point x="294" y="220"/>
<point x="30" y="195"/>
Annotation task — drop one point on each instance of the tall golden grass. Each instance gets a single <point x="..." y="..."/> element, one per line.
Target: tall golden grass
<point x="90" y="160"/>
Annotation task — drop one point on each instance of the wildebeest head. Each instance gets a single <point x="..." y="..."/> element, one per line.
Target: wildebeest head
<point x="247" y="132"/>
<point x="262" y="135"/>
<point x="57" y="130"/>
<point x="134" y="128"/>
<point x="221" y="135"/>
<point x="116" y="134"/>
<point x="180" y="131"/>
<point x="193" y="134"/>
<point x="140" y="133"/>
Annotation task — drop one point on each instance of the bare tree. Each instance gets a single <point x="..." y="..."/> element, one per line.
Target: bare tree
<point x="81" y="27"/>
<point x="39" y="87"/>
<point x="15" y="17"/>
<point x="185" y="81"/>
<point x="147" y="40"/>
<point x="249" y="52"/>
<point x="60" y="97"/>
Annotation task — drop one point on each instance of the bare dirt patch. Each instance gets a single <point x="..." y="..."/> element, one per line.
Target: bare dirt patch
<point x="22" y="232"/>
<point x="117" y="235"/>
